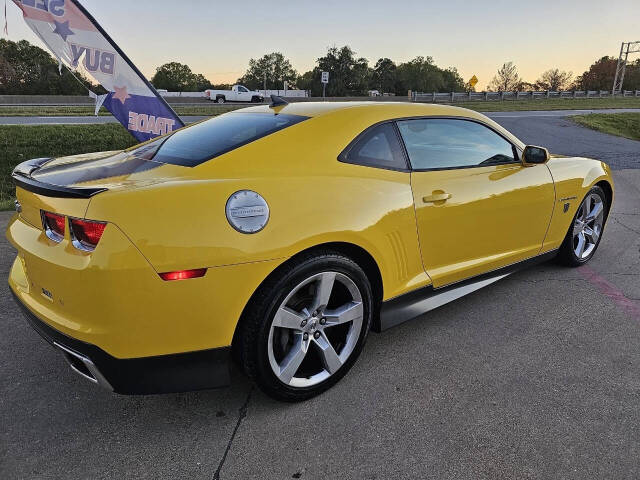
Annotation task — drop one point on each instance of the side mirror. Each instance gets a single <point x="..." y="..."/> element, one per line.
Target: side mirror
<point x="535" y="155"/>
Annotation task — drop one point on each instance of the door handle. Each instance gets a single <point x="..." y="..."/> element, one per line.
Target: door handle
<point x="436" y="197"/>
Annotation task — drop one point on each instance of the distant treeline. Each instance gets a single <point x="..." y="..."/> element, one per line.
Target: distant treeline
<point x="26" y="69"/>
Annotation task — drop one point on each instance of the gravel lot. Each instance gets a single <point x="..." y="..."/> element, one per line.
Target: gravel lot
<point x="535" y="376"/>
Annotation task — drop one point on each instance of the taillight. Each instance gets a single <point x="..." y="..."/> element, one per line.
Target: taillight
<point x="85" y="234"/>
<point x="53" y="225"/>
<point x="183" y="274"/>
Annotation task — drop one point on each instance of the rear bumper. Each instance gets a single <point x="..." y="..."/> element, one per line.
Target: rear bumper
<point x="137" y="376"/>
<point x="114" y="299"/>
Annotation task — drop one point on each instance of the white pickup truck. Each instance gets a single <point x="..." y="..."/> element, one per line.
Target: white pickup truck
<point x="238" y="93"/>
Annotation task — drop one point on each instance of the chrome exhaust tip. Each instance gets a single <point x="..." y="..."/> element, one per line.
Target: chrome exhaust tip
<point x="84" y="367"/>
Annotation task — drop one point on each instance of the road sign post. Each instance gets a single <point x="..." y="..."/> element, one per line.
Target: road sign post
<point x="324" y="79"/>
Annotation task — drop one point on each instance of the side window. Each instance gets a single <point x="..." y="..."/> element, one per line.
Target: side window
<point x="448" y="143"/>
<point x="242" y="89"/>
<point x="377" y="147"/>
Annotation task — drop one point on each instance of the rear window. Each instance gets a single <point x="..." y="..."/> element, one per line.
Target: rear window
<point x="197" y="144"/>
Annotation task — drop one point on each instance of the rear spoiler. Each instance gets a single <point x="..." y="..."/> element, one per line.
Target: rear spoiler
<point x="22" y="177"/>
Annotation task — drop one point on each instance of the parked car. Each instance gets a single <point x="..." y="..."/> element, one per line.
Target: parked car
<point x="281" y="235"/>
<point x="238" y="93"/>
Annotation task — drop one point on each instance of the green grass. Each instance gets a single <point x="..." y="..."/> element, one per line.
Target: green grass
<point x="213" y="109"/>
<point x="72" y="111"/>
<point x="19" y="143"/>
<point x="621" y="124"/>
<point x="49" y="111"/>
<point x="205" y="109"/>
<point x="6" y="204"/>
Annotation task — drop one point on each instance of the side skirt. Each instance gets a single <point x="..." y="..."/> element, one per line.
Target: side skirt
<point x="413" y="304"/>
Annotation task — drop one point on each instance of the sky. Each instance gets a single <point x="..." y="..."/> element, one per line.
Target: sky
<point x="218" y="38"/>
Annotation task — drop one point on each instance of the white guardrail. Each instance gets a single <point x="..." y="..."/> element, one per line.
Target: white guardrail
<point x="451" y="97"/>
<point x="289" y="93"/>
<point x="281" y="93"/>
<point x="164" y="93"/>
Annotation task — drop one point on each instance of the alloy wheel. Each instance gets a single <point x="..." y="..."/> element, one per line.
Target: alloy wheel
<point x="315" y="329"/>
<point x="587" y="227"/>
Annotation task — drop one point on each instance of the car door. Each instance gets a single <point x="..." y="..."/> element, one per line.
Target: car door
<point x="243" y="94"/>
<point x="477" y="207"/>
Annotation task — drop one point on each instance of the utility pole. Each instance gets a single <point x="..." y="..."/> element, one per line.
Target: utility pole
<point x="625" y="50"/>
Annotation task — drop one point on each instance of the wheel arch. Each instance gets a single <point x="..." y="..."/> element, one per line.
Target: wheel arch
<point x="608" y="191"/>
<point x="355" y="252"/>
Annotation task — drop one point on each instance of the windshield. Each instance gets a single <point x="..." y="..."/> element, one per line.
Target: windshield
<point x="201" y="142"/>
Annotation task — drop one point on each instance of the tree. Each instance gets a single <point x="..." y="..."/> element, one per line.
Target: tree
<point x="554" y="80"/>
<point x="527" y="86"/>
<point x="506" y="80"/>
<point x="384" y="76"/>
<point x="200" y="83"/>
<point x="348" y="75"/>
<point x="632" y="76"/>
<point x="601" y="74"/>
<point x="173" y="76"/>
<point x="306" y="81"/>
<point x="422" y="75"/>
<point x="275" y="67"/>
<point x="29" y="70"/>
<point x="453" y="82"/>
<point x="361" y="77"/>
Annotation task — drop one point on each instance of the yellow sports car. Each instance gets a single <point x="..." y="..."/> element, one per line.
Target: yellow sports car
<point x="280" y="235"/>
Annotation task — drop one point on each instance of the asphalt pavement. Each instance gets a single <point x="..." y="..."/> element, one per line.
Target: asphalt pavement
<point x="534" y="377"/>
<point x="560" y="135"/>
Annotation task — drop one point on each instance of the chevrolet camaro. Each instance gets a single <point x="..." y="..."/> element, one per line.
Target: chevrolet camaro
<point x="279" y="236"/>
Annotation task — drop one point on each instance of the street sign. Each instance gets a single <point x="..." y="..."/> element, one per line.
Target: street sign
<point x="324" y="79"/>
<point x="473" y="81"/>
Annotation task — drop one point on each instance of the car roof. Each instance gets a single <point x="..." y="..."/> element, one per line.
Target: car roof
<point x="376" y="111"/>
<point x="390" y="109"/>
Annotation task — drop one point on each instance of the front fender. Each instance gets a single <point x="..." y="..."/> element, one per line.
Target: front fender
<point x="573" y="178"/>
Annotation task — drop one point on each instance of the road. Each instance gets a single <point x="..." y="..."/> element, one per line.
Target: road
<point x="535" y="376"/>
<point x="562" y="136"/>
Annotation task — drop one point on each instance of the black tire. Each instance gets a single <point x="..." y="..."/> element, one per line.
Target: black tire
<point x="566" y="254"/>
<point x="220" y="99"/>
<point x="254" y="329"/>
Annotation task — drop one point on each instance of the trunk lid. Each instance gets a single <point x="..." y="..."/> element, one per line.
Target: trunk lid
<point x="90" y="174"/>
<point x="66" y="185"/>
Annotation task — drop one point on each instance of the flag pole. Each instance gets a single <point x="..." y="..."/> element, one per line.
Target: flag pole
<point x="126" y="59"/>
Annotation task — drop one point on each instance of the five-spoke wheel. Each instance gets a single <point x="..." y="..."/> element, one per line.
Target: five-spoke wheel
<point x="305" y="346"/>
<point x="586" y="230"/>
<point x="307" y="325"/>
